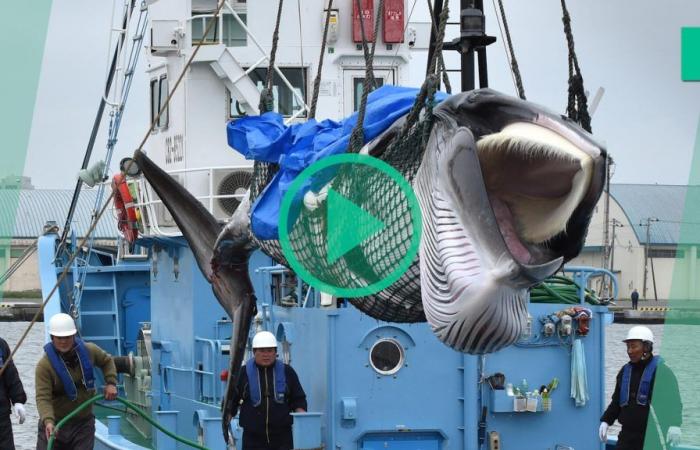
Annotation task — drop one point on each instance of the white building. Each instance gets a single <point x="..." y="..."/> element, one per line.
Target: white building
<point x="26" y="212"/>
<point x="660" y="217"/>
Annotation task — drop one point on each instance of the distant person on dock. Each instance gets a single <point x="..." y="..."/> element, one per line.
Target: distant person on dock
<point x="12" y="396"/>
<point x="64" y="380"/>
<point x="268" y="390"/>
<point x="631" y="402"/>
<point x="635" y="298"/>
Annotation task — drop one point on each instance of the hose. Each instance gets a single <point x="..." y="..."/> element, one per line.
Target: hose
<point x="129" y="405"/>
<point x="560" y="289"/>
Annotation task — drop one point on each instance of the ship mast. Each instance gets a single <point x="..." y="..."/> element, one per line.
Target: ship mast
<point x="472" y="39"/>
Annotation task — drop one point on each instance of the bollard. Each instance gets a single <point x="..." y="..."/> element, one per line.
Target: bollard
<point x="114" y="425"/>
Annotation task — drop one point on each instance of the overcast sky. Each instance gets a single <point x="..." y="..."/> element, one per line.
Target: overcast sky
<point x="648" y="118"/>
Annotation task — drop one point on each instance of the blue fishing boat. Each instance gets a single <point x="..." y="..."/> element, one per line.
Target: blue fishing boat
<point x="370" y="383"/>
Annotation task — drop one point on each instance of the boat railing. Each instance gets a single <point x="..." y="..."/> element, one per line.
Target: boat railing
<point x="147" y="203"/>
<point x="582" y="274"/>
<point x="218" y="38"/>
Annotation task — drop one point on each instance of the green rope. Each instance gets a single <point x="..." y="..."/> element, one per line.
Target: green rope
<point x="129" y="405"/>
<point x="560" y="289"/>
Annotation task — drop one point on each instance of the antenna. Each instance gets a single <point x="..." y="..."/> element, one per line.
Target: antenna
<point x="596" y="100"/>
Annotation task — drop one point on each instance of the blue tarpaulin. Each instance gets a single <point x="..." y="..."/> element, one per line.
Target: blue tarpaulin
<point x="296" y="147"/>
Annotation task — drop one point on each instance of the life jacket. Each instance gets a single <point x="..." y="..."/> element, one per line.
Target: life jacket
<point x="644" y="383"/>
<point x="279" y="380"/>
<point x="59" y="366"/>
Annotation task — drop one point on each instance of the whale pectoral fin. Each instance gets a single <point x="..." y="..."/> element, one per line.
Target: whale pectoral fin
<point x="537" y="273"/>
<point x="228" y="408"/>
<point x="242" y="319"/>
<point x="198" y="226"/>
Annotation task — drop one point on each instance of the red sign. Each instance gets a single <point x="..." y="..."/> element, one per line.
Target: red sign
<point x="367" y="7"/>
<point x="393" y="21"/>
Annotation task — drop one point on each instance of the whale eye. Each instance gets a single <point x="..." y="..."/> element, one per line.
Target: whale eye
<point x="386" y="356"/>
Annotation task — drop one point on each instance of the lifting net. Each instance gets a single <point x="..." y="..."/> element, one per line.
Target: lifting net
<point x="402" y="147"/>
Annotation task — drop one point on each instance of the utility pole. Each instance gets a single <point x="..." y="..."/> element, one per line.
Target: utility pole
<point x="646" y="252"/>
<point x="615" y="223"/>
<point x="607" y="247"/>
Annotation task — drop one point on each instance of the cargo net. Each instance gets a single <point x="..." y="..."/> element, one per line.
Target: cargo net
<point x="376" y="257"/>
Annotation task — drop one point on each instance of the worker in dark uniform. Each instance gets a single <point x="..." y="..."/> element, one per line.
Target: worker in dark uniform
<point x="267" y="391"/>
<point x="635" y="298"/>
<point x="12" y="396"/>
<point x="644" y="425"/>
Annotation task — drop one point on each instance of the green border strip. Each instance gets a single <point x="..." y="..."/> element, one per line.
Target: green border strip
<point x="23" y="31"/>
<point x="690" y="54"/>
<point x="681" y="331"/>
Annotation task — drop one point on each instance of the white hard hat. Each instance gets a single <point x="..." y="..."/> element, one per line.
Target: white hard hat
<point x="62" y="325"/>
<point x="264" y="339"/>
<point x="640" y="333"/>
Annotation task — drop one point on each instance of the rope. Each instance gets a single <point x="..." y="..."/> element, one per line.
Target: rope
<point x="96" y="219"/>
<point x="429" y="86"/>
<point x="441" y="59"/>
<point x="301" y="56"/>
<point x="511" y="56"/>
<point x="577" y="108"/>
<point x="394" y="63"/>
<point x="439" y="39"/>
<point x="266" y="98"/>
<point x="129" y="405"/>
<point x="365" y="50"/>
<point x="357" y="138"/>
<point x="317" y="81"/>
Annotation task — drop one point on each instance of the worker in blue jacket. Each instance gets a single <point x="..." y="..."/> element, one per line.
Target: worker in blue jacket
<point x="267" y="391"/>
<point x="644" y="426"/>
<point x="12" y="396"/>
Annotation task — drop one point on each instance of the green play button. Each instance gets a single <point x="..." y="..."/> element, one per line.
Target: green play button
<point x="350" y="225"/>
<point x="343" y="235"/>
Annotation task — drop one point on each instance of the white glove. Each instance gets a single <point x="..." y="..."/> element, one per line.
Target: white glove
<point x="603" y="432"/>
<point x="19" y="410"/>
<point x="673" y="435"/>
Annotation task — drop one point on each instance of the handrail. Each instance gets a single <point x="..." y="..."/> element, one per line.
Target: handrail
<point x="203" y="18"/>
<point x="144" y="196"/>
<point x="284" y="79"/>
<point x="215" y="369"/>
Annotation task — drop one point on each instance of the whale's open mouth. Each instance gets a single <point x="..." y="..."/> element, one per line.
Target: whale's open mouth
<point x="535" y="179"/>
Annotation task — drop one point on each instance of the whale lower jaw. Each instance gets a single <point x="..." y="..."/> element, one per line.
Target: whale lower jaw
<point x="484" y="319"/>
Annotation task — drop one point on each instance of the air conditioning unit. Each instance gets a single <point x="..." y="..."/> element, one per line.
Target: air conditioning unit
<point x="165" y="219"/>
<point x="229" y="182"/>
<point x="165" y="37"/>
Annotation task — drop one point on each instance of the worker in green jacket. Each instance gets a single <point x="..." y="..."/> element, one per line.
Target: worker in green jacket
<point x="64" y="380"/>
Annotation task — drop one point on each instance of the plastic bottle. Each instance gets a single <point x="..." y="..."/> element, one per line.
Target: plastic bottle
<point x="524" y="386"/>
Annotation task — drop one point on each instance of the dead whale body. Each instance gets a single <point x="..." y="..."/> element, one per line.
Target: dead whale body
<point x="506" y="190"/>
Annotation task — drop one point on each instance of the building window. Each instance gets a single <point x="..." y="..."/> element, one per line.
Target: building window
<point x="666" y="253"/>
<point x="159" y="93"/>
<point x="154" y="100"/>
<point x="285" y="102"/>
<point x="358" y="86"/>
<point x="233" y="33"/>
<point x="16" y="252"/>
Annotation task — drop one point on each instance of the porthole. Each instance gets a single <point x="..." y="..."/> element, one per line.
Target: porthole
<point x="386" y="356"/>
